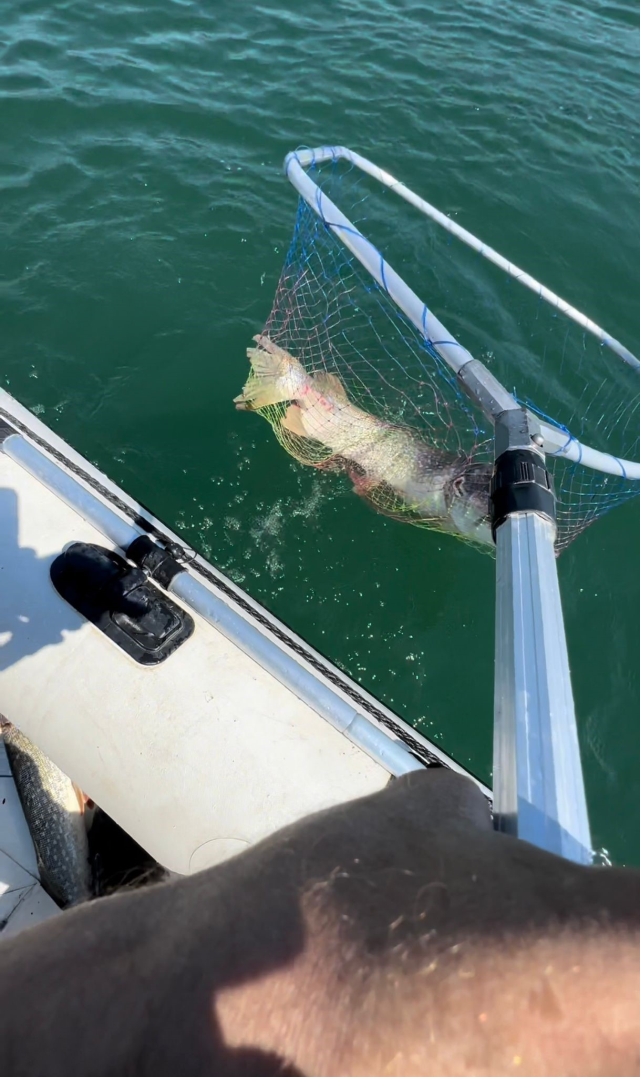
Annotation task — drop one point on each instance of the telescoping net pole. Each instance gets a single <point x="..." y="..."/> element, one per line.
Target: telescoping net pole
<point x="356" y="373"/>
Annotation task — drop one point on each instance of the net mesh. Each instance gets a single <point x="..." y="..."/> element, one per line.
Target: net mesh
<point x="349" y="384"/>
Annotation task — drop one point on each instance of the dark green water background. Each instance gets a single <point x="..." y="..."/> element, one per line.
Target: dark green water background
<point x="144" y="219"/>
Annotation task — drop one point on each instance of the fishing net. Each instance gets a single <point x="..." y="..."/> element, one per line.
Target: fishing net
<point x="398" y="421"/>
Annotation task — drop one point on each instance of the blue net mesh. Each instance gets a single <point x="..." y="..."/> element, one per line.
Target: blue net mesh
<point x="348" y="383"/>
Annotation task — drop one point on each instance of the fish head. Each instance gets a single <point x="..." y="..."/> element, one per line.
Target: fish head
<point x="467" y="497"/>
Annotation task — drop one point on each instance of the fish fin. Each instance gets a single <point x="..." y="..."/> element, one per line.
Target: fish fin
<point x="278" y="355"/>
<point x="265" y="364"/>
<point x="292" y="421"/>
<point x="268" y="382"/>
<point x="364" y="487"/>
<point x="331" y="385"/>
<point x="269" y="345"/>
<point x="261" y="393"/>
<point x="380" y="496"/>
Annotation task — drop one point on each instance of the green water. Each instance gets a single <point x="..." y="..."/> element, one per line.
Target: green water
<point x="144" y="219"/>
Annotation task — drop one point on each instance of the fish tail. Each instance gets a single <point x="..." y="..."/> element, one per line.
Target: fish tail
<point x="271" y="380"/>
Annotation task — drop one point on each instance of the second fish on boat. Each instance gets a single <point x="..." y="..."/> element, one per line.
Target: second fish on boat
<point x="54" y="809"/>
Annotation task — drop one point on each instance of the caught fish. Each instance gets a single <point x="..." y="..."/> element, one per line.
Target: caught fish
<point x="443" y="490"/>
<point x="54" y="810"/>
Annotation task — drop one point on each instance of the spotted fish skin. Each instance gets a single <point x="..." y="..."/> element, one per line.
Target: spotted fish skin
<point x="53" y="807"/>
<point x="444" y="490"/>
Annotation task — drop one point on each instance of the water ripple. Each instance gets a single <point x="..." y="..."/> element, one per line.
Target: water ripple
<point x="144" y="224"/>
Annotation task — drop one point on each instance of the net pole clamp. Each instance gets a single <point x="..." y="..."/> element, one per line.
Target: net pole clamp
<point x="520" y="481"/>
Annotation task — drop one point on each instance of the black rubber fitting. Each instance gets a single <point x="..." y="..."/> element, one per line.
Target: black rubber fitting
<point x="520" y="483"/>
<point x="156" y="562"/>
<point x="121" y="601"/>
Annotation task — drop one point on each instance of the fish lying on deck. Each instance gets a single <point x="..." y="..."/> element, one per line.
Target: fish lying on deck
<point x="54" y="810"/>
<point x="440" y="489"/>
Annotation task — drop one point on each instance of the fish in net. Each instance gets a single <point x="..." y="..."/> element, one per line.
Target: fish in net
<point x="350" y="384"/>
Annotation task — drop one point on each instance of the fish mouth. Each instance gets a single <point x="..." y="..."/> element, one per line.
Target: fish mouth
<point x="473" y="481"/>
<point x="472" y="484"/>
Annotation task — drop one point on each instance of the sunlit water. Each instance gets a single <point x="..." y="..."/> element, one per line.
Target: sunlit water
<point x="144" y="223"/>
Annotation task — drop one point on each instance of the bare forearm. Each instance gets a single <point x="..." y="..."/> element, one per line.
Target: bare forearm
<point x="397" y="934"/>
<point x="559" y="1000"/>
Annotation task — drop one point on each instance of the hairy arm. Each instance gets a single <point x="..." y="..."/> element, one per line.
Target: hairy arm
<point x="397" y="934"/>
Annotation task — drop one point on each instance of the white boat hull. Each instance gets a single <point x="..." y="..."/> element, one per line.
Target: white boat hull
<point x="198" y="757"/>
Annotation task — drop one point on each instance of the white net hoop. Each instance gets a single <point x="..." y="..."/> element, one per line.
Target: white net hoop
<point x="370" y="380"/>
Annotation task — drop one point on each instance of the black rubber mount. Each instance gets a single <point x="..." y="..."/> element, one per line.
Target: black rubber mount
<point x="154" y="560"/>
<point x="520" y="483"/>
<point x="121" y="601"/>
